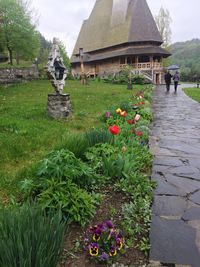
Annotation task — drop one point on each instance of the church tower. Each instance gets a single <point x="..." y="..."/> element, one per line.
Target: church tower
<point x="119" y="33"/>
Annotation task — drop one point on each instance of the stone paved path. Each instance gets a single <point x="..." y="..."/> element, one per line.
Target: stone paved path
<point x="175" y="143"/>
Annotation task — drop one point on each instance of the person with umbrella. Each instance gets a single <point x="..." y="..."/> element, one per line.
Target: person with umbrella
<point x="176" y="76"/>
<point x="176" y="79"/>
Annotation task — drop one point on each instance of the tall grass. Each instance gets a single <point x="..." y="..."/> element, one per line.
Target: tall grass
<point x="29" y="238"/>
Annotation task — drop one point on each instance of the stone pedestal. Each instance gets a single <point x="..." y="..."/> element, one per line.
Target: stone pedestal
<point x="59" y="106"/>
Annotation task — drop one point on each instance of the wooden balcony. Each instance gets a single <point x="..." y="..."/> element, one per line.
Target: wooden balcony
<point x="144" y="66"/>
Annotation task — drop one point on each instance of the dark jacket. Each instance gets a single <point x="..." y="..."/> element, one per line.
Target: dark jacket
<point x="168" y="77"/>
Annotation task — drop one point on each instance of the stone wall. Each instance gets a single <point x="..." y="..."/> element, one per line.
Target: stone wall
<point x="17" y="75"/>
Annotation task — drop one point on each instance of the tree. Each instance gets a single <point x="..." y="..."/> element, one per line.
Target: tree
<point x="163" y="21"/>
<point x="18" y="33"/>
<point x="64" y="55"/>
<point x="45" y="47"/>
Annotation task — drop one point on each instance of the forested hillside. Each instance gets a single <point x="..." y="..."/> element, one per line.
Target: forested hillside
<point x="187" y="56"/>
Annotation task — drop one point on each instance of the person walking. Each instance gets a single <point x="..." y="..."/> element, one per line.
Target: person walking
<point x="168" y="77"/>
<point x="176" y="79"/>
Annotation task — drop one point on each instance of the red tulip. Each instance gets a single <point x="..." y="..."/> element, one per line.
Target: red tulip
<point x="114" y="129"/>
<point x="138" y="133"/>
<point x="131" y="121"/>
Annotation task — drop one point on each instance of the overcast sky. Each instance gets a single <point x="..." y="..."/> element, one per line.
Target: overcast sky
<point x="63" y="18"/>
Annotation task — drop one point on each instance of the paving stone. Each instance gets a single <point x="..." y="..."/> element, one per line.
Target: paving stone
<point x="165" y="188"/>
<point x="184" y="184"/>
<point x="195" y="198"/>
<point x="186" y="148"/>
<point x="169" y="206"/>
<point x="173" y="242"/>
<point x="195" y="176"/>
<point x="191" y="214"/>
<point x="168" y="161"/>
<point x="185" y="170"/>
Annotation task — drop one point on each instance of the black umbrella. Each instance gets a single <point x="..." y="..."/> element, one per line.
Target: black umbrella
<point x="173" y="67"/>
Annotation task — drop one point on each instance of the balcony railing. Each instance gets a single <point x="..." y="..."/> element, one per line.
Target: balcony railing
<point x="144" y="66"/>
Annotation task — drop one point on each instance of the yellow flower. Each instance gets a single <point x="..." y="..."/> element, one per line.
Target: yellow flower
<point x="113" y="252"/>
<point x="94" y="251"/>
<point x="118" y="110"/>
<point x="96" y="237"/>
<point x="120" y="245"/>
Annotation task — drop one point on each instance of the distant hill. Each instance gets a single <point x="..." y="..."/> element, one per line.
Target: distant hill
<point x="187" y="56"/>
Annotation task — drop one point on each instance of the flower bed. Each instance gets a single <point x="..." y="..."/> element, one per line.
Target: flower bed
<point x="100" y="183"/>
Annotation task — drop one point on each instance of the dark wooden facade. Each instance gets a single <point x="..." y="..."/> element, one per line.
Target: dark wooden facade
<point x="119" y="33"/>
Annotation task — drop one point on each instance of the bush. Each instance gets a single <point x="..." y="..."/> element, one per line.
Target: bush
<point x="29" y="238"/>
<point x="75" y="203"/>
<point x="63" y="164"/>
<point x="138" y="79"/>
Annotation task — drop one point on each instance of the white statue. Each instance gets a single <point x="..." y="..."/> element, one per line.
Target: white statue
<point x="56" y="69"/>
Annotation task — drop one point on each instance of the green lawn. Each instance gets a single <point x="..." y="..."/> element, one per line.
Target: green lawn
<point x="194" y="93"/>
<point x="27" y="133"/>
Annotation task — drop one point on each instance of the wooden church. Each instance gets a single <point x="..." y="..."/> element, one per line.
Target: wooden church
<point x="119" y="33"/>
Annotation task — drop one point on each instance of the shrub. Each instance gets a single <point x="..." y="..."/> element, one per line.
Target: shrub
<point x="75" y="203"/>
<point x="29" y="238"/>
<point x="63" y="164"/>
<point x="138" y="79"/>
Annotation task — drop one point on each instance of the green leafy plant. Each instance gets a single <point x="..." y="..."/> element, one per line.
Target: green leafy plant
<point x="117" y="166"/>
<point x="136" y="185"/>
<point x="29" y="238"/>
<point x="125" y="106"/>
<point x="99" y="136"/>
<point x="136" y="222"/>
<point x="95" y="155"/>
<point x="76" y="204"/>
<point x="64" y="165"/>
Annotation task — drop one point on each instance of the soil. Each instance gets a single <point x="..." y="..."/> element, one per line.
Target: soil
<point x="110" y="208"/>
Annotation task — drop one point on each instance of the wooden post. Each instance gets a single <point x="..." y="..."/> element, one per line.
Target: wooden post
<point x="83" y="75"/>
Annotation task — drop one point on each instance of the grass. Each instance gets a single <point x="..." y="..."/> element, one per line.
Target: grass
<point x="27" y="133"/>
<point x="194" y="93"/>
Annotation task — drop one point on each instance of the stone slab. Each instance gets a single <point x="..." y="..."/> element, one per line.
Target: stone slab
<point x="172" y="241"/>
<point x="195" y="198"/>
<point x="192" y="214"/>
<point x="184" y="184"/>
<point x="165" y="188"/>
<point x="169" y="206"/>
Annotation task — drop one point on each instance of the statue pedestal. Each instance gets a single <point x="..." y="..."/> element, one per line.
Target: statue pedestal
<point x="59" y="106"/>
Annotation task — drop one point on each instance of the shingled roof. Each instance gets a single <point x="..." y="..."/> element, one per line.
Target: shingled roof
<point x="123" y="52"/>
<point x="115" y="22"/>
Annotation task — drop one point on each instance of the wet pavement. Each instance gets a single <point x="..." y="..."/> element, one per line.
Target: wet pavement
<point x="175" y="144"/>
